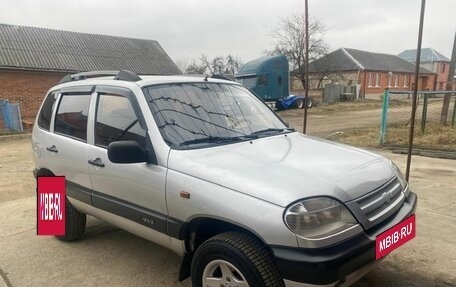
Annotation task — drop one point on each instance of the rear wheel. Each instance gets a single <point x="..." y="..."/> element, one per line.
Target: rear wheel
<point x="309" y="103"/>
<point x="234" y="259"/>
<point x="300" y="103"/>
<point x="75" y="223"/>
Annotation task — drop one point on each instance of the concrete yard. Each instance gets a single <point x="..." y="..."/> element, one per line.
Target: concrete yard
<point x="108" y="256"/>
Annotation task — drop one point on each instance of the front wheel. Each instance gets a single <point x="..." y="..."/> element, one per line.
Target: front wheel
<point x="234" y="259"/>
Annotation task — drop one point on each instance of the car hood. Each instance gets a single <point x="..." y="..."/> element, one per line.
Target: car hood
<point x="287" y="167"/>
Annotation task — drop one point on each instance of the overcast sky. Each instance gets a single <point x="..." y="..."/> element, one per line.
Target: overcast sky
<point x="188" y="28"/>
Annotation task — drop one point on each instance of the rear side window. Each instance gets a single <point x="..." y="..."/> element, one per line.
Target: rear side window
<point x="44" y="118"/>
<point x="117" y="121"/>
<point x="71" y="118"/>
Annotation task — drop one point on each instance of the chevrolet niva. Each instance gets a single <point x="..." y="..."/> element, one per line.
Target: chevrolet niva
<point x="201" y="166"/>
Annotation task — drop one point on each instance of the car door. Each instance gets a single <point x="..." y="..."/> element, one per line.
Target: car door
<point x="134" y="191"/>
<point x="66" y="145"/>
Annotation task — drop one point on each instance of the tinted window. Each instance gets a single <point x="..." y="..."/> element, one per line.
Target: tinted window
<point x="193" y="112"/>
<point x="116" y="121"/>
<point x="71" y="118"/>
<point x="44" y="118"/>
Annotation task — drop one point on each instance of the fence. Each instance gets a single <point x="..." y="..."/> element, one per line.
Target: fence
<point x="10" y="114"/>
<point x="429" y="132"/>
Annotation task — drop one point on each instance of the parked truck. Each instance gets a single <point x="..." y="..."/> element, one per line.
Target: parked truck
<point x="269" y="79"/>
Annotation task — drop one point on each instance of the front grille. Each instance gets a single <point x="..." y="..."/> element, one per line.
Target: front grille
<point x="382" y="202"/>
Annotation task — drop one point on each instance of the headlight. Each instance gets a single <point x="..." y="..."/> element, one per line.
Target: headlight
<point x="318" y="218"/>
<point x="400" y="177"/>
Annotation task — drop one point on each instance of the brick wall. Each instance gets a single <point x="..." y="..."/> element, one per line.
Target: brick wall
<point x="386" y="81"/>
<point x="27" y="88"/>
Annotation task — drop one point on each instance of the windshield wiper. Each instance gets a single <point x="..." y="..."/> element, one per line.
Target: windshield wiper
<point x="217" y="140"/>
<point x="272" y="130"/>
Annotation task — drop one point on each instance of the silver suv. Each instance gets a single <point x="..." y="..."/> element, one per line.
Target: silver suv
<point x="204" y="168"/>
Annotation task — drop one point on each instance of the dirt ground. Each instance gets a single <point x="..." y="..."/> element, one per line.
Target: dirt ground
<point x="323" y="121"/>
<point x="109" y="256"/>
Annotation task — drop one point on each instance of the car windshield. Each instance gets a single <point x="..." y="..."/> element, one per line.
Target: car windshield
<point x="190" y="114"/>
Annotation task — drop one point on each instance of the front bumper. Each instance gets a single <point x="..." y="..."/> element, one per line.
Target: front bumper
<point x="336" y="264"/>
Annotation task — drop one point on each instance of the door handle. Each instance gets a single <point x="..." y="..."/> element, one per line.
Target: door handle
<point x="96" y="162"/>
<point x="52" y="148"/>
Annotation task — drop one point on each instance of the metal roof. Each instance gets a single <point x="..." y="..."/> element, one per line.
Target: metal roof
<point x="345" y="59"/>
<point x="427" y="55"/>
<point x="34" y="48"/>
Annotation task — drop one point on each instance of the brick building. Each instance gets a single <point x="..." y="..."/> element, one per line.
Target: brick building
<point x="371" y="72"/>
<point x="433" y="61"/>
<point x="32" y="60"/>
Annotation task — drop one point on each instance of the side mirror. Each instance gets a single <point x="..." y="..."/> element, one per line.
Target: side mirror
<point x="126" y="152"/>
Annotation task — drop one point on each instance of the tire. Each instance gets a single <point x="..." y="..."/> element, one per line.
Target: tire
<point x="245" y="260"/>
<point x="75" y="223"/>
<point x="309" y="103"/>
<point x="300" y="103"/>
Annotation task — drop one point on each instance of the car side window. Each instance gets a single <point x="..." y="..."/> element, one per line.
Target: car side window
<point x="71" y="117"/>
<point x="44" y="118"/>
<point x="116" y="120"/>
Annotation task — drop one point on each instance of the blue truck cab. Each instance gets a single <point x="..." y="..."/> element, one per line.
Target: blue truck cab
<point x="267" y="77"/>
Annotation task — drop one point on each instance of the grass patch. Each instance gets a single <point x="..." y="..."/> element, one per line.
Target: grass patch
<point x="436" y="137"/>
<point x="356" y="105"/>
<point x="361" y="137"/>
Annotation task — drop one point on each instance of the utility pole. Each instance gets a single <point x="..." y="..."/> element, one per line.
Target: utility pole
<point x="415" y="90"/>
<point x="304" y="127"/>
<point x="449" y="85"/>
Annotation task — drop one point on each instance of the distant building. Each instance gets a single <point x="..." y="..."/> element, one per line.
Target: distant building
<point x="433" y="61"/>
<point x="32" y="60"/>
<point x="371" y="72"/>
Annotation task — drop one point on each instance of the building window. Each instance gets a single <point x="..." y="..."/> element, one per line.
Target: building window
<point x="406" y="80"/>
<point x="442" y="68"/>
<point x="396" y="81"/>
<point x="389" y="79"/>
<point x="377" y="80"/>
<point x="371" y="79"/>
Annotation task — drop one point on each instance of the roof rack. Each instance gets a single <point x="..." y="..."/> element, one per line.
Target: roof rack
<point x="122" y="75"/>
<point x="222" y="77"/>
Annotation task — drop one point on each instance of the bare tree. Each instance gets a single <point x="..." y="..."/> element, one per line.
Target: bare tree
<point x="290" y="35"/>
<point x="182" y="64"/>
<point x="321" y="70"/>
<point x="233" y="64"/>
<point x="215" y="66"/>
<point x="218" y="65"/>
<point x="195" y="69"/>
